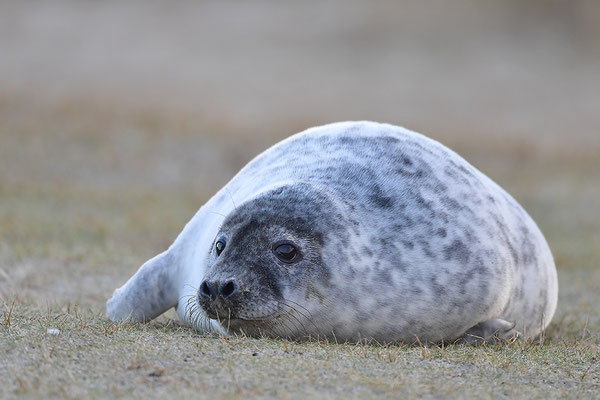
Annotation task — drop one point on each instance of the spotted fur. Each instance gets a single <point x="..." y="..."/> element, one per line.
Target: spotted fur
<point x="400" y="238"/>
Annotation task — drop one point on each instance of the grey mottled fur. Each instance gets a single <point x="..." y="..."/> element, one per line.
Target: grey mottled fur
<point x="399" y="238"/>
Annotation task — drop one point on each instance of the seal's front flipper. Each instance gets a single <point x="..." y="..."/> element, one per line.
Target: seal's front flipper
<point x="492" y="331"/>
<point x="147" y="294"/>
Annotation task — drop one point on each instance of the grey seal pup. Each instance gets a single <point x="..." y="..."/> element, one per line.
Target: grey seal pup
<point x="350" y="231"/>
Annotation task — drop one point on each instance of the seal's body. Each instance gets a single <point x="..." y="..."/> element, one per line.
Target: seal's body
<point x="354" y="230"/>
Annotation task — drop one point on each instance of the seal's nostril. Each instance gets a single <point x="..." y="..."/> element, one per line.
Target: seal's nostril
<point x="207" y="290"/>
<point x="228" y="289"/>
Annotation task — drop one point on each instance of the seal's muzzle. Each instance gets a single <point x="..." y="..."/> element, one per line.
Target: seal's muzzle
<point x="217" y="298"/>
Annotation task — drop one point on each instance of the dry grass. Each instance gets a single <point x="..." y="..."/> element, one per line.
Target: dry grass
<point x="71" y="235"/>
<point x="118" y="122"/>
<point x="92" y="357"/>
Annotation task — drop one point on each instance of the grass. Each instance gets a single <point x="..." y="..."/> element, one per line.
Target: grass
<point x="89" y="193"/>
<point x="92" y="357"/>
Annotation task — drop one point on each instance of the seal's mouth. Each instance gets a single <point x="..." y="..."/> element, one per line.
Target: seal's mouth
<point x="280" y="322"/>
<point x="267" y="326"/>
<point x="232" y="312"/>
<point x="252" y="316"/>
<point x="224" y="319"/>
<point x="255" y="326"/>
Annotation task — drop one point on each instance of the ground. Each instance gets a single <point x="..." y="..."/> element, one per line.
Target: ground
<point x="73" y="232"/>
<point x="101" y="168"/>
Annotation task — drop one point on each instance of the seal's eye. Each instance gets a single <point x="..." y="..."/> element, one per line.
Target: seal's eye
<point x="286" y="252"/>
<point x="219" y="247"/>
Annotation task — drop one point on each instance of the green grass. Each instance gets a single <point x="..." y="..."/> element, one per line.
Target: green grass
<point x="88" y="194"/>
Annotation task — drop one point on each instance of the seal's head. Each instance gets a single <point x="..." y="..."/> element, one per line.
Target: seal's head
<point x="266" y="274"/>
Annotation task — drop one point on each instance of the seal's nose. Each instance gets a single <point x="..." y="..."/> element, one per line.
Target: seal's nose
<point x="213" y="289"/>
<point x="228" y="288"/>
<point x="208" y="290"/>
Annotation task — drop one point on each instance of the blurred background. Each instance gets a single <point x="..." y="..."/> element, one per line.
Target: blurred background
<point x="119" y="119"/>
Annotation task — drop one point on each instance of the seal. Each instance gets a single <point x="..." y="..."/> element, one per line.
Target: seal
<point x="350" y="231"/>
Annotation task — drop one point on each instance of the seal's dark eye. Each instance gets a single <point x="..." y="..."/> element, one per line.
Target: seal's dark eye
<point x="219" y="247"/>
<point x="286" y="252"/>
